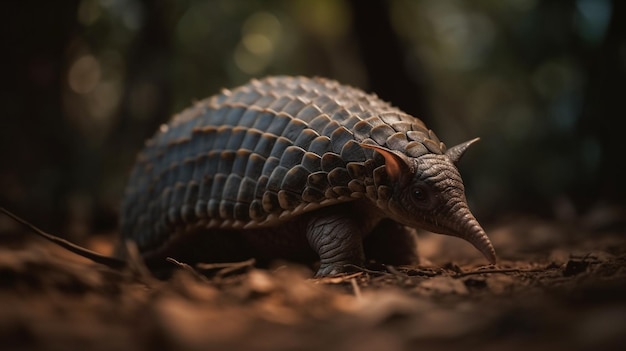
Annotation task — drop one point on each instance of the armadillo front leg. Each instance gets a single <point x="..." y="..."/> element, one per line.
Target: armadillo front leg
<point x="338" y="240"/>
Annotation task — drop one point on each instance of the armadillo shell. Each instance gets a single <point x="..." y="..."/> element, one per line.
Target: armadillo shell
<point x="263" y="153"/>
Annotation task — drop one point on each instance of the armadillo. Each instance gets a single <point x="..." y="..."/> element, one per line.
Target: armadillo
<point x="295" y="167"/>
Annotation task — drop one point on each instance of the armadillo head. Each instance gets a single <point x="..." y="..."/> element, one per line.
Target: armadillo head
<point x="428" y="193"/>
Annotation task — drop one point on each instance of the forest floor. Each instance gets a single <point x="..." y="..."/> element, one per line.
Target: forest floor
<point x="556" y="287"/>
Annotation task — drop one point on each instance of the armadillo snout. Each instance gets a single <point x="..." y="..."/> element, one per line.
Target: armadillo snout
<point x="469" y="229"/>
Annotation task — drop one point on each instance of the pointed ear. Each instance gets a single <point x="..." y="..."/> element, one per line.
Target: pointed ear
<point x="396" y="165"/>
<point x="456" y="152"/>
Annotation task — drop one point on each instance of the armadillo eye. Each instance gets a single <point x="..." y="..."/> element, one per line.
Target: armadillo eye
<point x="419" y="194"/>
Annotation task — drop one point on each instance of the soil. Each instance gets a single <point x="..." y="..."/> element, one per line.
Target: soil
<point x="557" y="286"/>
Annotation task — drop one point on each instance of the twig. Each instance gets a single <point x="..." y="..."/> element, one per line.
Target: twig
<point x="209" y="266"/>
<point x="226" y="268"/>
<point x="391" y="269"/>
<point x="187" y="268"/>
<point x="178" y="263"/>
<point x="495" y="270"/>
<point x="363" y="269"/>
<point x="355" y="287"/>
<point x="336" y="279"/>
<point x="110" y="262"/>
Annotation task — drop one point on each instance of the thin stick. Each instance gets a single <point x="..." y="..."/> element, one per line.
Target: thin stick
<point x="495" y="270"/>
<point x="355" y="287"/>
<point x="363" y="269"/>
<point x="187" y="268"/>
<point x="209" y="266"/>
<point x="336" y="279"/>
<point x="391" y="269"/>
<point x="110" y="262"/>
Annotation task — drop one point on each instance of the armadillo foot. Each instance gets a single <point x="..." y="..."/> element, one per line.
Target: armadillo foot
<point x="336" y="269"/>
<point x="338" y="240"/>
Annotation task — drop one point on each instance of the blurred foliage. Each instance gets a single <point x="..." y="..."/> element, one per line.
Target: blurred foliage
<point x="539" y="81"/>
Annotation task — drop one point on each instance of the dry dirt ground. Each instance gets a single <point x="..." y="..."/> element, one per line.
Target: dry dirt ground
<point x="556" y="287"/>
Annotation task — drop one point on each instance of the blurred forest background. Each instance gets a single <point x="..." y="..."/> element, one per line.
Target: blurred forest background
<point x="85" y="82"/>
